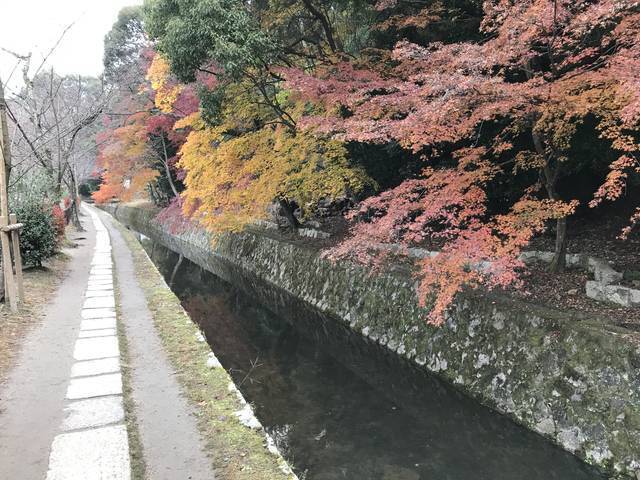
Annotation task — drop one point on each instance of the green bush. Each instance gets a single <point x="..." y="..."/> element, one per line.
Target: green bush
<point x="89" y="186"/>
<point x="38" y="236"/>
<point x="84" y="190"/>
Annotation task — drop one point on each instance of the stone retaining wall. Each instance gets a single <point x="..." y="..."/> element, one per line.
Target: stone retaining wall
<point x="577" y="382"/>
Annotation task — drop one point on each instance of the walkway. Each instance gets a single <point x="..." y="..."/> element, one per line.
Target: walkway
<point x="32" y="399"/>
<point x="61" y="410"/>
<point x="93" y="443"/>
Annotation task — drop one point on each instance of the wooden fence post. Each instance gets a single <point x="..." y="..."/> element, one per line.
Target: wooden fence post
<point x="17" y="257"/>
<point x="10" y="293"/>
<point x="7" y="266"/>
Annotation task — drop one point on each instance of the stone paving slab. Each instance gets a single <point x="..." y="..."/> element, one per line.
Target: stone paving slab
<point x="101" y="284"/>
<point x="97" y="454"/>
<point x="93" y="348"/>
<point x="99" y="271"/>
<point x="98" y="323"/>
<point x="95" y="367"/>
<point x="106" y="279"/>
<point x="97" y="386"/>
<point x="96" y="288"/>
<point x="100" y="262"/>
<point x="95" y="412"/>
<point x="101" y="332"/>
<point x="99" y="293"/>
<point x="99" y="302"/>
<point x="100" y="265"/>
<point x="100" y="276"/>
<point x="98" y="313"/>
<point x="100" y="281"/>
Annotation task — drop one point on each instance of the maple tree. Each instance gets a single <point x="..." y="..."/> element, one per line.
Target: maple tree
<point x="502" y="102"/>
<point x="234" y="183"/>
<point x="509" y="102"/>
<point x="140" y="154"/>
<point x="138" y="145"/>
<point x="245" y="152"/>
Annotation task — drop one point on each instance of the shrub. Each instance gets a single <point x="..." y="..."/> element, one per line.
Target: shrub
<point x="89" y="186"/>
<point x="59" y="221"/>
<point x="38" y="236"/>
<point x="85" y="190"/>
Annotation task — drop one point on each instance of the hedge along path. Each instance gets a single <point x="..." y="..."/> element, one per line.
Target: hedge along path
<point x="93" y="442"/>
<point x="237" y="444"/>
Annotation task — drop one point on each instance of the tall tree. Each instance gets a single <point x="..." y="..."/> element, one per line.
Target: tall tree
<point x="242" y="45"/>
<point x="123" y="46"/>
<point x="50" y="114"/>
<point x="507" y="103"/>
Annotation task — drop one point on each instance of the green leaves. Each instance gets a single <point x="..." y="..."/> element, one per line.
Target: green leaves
<point x="38" y="236"/>
<point x="195" y="34"/>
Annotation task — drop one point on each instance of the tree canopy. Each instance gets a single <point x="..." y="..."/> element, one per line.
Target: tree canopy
<point x="454" y="123"/>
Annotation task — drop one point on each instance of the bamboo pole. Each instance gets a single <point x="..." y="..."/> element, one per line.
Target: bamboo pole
<point x="5" y="159"/>
<point x="17" y="257"/>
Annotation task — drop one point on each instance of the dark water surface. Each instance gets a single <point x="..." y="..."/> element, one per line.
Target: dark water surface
<point x="340" y="408"/>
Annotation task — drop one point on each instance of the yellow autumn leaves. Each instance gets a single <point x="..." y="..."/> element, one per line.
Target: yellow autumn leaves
<point x="235" y="170"/>
<point x="232" y="181"/>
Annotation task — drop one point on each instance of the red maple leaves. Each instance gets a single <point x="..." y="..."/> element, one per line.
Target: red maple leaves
<point x="540" y="69"/>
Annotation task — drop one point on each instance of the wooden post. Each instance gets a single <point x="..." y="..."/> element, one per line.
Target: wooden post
<point x="7" y="267"/>
<point x="5" y="159"/>
<point x="17" y="257"/>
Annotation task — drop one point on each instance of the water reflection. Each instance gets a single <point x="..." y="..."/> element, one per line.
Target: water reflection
<point x="340" y="408"/>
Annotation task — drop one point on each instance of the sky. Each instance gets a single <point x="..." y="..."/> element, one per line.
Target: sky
<point x="35" y="26"/>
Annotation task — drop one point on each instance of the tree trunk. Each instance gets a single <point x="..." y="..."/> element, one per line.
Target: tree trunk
<point x="75" y="216"/>
<point x="175" y="270"/>
<point x="550" y="175"/>
<point x="559" y="261"/>
<point x="1" y="281"/>
<point x="75" y="211"/>
<point x="287" y="213"/>
<point x="171" y="184"/>
<point x="167" y="169"/>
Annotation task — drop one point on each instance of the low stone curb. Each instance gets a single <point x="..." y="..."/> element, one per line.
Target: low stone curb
<point x="603" y="287"/>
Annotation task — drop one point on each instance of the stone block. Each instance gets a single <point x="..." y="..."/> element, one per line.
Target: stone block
<point x="97" y="454"/>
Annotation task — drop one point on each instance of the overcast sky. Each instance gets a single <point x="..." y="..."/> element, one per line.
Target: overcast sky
<point x="35" y="26"/>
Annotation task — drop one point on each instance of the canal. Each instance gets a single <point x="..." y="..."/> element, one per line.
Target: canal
<point x="339" y="407"/>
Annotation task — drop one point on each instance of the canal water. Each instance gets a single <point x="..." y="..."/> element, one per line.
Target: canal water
<point x="341" y="408"/>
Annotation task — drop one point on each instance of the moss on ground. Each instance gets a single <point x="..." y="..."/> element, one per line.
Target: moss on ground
<point x="236" y="451"/>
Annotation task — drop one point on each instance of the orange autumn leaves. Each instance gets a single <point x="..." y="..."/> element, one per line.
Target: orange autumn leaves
<point x="232" y="180"/>
<point x="126" y="170"/>
<point x="235" y="170"/>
